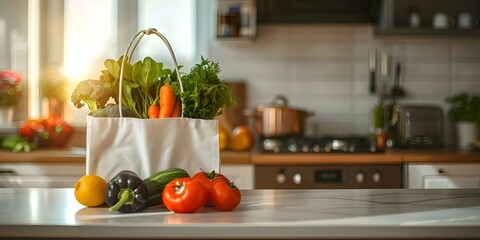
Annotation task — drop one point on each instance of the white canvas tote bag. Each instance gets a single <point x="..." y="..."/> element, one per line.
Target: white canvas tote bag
<point x="146" y="146"/>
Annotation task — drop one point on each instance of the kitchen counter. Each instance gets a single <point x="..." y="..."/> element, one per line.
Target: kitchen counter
<point x="440" y="156"/>
<point x="280" y="214"/>
<point x="77" y="155"/>
<point x="394" y="156"/>
<point x="50" y="155"/>
<point x="391" y="156"/>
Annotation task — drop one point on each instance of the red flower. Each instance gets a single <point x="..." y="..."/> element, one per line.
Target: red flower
<point x="10" y="87"/>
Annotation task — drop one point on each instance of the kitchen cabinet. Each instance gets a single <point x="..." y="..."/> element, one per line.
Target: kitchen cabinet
<point x="317" y="11"/>
<point x="413" y="17"/>
<point x="40" y="175"/>
<point x="445" y="175"/>
<point x="241" y="174"/>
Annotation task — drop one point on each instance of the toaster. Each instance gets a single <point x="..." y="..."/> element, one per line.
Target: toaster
<point x="418" y="126"/>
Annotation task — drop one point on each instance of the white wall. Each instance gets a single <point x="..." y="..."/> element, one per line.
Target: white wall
<point x="13" y="43"/>
<point x="324" y="68"/>
<point x="13" y="34"/>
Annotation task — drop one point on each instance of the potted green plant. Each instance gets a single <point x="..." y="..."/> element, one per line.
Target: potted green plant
<point x="465" y="111"/>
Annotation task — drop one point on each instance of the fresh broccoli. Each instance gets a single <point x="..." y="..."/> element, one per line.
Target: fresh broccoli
<point x="111" y="110"/>
<point x="94" y="93"/>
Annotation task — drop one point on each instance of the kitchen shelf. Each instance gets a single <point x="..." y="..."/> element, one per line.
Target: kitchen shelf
<point x="235" y="39"/>
<point x="236" y="19"/>
<point x="428" y="32"/>
<point x="395" y="15"/>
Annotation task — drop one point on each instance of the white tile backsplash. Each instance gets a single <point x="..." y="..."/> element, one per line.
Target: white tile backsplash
<point x="314" y="35"/>
<point x="425" y="69"/>
<point x="468" y="86"/>
<point x="420" y="89"/>
<point x="422" y="50"/>
<point x="320" y="50"/>
<point x="467" y="50"/>
<point x="324" y="69"/>
<point x="467" y="69"/>
<point x="321" y="71"/>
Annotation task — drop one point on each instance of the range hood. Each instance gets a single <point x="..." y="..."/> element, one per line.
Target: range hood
<point x="317" y="11"/>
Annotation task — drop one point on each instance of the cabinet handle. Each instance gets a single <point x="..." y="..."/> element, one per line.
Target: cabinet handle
<point x="440" y="171"/>
<point x="8" y="172"/>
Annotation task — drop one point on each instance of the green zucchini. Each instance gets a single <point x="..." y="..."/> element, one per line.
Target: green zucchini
<point x="16" y="144"/>
<point x="157" y="182"/>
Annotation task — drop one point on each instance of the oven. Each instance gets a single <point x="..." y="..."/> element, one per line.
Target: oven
<point x="326" y="175"/>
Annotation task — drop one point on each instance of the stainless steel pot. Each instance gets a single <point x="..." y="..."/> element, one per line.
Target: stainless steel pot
<point x="278" y="119"/>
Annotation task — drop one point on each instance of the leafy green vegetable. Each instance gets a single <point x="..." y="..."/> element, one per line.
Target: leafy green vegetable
<point x="112" y="73"/>
<point x="141" y="83"/>
<point x="204" y="94"/>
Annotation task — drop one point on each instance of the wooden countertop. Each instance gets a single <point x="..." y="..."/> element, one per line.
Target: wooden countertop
<point x="395" y="156"/>
<point x="77" y="155"/>
<point x="54" y="155"/>
<point x="440" y="156"/>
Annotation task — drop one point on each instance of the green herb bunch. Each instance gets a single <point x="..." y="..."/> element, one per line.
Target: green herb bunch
<point x="204" y="94"/>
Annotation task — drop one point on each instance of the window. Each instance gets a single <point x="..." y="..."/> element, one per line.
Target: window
<point x="75" y="37"/>
<point x="90" y="35"/>
<point x="176" y="21"/>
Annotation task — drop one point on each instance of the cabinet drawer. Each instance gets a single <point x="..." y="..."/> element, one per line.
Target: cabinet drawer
<point x="457" y="175"/>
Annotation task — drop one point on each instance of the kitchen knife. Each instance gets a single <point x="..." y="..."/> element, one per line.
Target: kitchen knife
<point x="372" y="68"/>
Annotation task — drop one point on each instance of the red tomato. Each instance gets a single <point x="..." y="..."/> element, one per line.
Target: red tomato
<point x="32" y="127"/>
<point x="184" y="195"/>
<point x="225" y="196"/>
<point x="208" y="180"/>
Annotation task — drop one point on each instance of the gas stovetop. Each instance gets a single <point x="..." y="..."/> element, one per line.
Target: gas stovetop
<point x="324" y="144"/>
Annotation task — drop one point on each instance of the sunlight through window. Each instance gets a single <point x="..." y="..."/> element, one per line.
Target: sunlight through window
<point x="176" y="22"/>
<point x="90" y="38"/>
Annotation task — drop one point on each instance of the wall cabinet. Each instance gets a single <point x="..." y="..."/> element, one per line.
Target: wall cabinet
<point x="429" y="17"/>
<point x="317" y="11"/>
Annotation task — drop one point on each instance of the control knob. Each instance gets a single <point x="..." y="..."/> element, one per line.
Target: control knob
<point x="293" y="148"/>
<point x="297" y="178"/>
<point x="376" y="177"/>
<point x="305" y="148"/>
<point x="281" y="177"/>
<point x="359" y="177"/>
<point x="316" y="148"/>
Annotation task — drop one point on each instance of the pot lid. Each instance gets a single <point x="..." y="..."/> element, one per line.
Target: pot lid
<point x="280" y="102"/>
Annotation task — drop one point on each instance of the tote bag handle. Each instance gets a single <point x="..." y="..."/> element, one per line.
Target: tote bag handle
<point x="135" y="40"/>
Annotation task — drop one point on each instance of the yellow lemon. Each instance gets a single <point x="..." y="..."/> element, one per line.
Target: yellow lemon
<point x="90" y="190"/>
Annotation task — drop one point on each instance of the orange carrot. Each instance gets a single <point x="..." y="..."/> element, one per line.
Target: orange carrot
<point x="167" y="101"/>
<point x="177" y="110"/>
<point x="153" y="111"/>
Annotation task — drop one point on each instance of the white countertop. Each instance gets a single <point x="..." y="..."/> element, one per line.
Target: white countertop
<point x="294" y="214"/>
